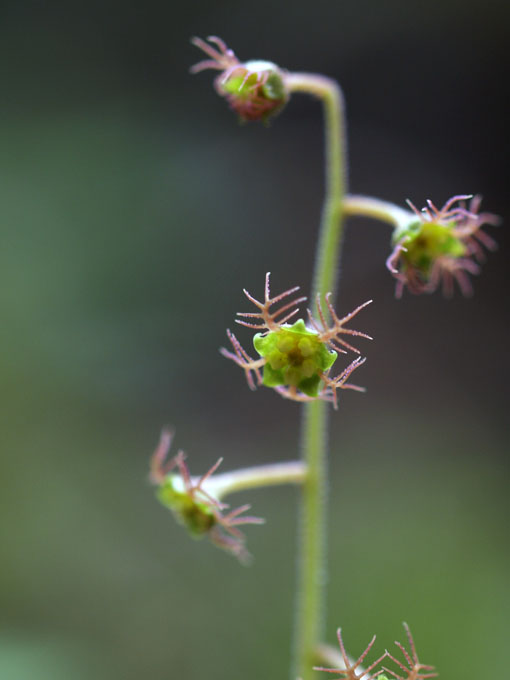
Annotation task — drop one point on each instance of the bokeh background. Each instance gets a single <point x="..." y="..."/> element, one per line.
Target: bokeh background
<point x="134" y="210"/>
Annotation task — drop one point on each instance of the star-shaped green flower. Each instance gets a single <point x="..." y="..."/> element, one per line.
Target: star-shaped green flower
<point x="295" y="360"/>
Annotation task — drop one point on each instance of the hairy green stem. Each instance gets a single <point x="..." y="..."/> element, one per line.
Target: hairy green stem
<point x="330" y="234"/>
<point x="312" y="558"/>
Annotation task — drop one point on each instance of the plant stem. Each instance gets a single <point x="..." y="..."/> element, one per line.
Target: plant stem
<point x="330" y="234"/>
<point x="384" y="211"/>
<point x="312" y="558"/>
<point x="225" y="483"/>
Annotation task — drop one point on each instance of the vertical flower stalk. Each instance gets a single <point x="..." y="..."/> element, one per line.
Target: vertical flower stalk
<point x="256" y="90"/>
<point x="312" y="555"/>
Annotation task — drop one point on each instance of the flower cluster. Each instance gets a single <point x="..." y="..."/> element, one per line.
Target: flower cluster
<point x="255" y="89"/>
<point x="354" y="670"/>
<point x="439" y="246"/>
<point x="194" y="505"/>
<point x="295" y="359"/>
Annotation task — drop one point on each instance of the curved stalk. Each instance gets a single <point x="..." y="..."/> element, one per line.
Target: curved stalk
<point x="377" y="209"/>
<point x="312" y="557"/>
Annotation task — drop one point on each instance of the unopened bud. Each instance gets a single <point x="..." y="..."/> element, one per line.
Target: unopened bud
<point x="255" y="89"/>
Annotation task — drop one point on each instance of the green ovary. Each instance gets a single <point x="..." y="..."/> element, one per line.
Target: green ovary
<point x="427" y="241"/>
<point x="195" y="516"/>
<point x="295" y="357"/>
<point x="240" y="86"/>
<point x="246" y="87"/>
<point x="258" y="95"/>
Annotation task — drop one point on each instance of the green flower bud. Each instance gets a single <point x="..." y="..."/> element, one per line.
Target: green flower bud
<point x="195" y="507"/>
<point x="440" y="246"/>
<point x="255" y="89"/>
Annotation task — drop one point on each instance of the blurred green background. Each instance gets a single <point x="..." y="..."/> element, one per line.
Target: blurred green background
<point x="134" y="210"/>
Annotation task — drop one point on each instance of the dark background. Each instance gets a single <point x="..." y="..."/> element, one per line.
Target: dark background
<point x="134" y="210"/>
